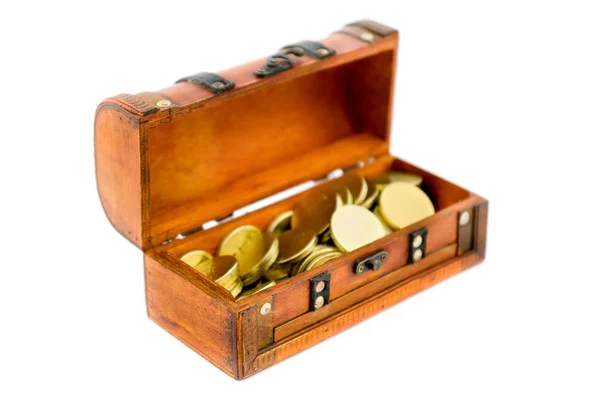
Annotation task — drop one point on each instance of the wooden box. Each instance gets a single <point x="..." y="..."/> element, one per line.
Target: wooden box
<point x="173" y="165"/>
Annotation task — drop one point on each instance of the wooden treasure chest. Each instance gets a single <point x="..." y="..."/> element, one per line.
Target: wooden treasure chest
<point x="269" y="210"/>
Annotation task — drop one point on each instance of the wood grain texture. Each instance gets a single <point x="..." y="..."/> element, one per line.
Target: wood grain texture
<point x="192" y="315"/>
<point x="118" y="169"/>
<point x="350" y="317"/>
<point x="364" y="291"/>
<point x="193" y="150"/>
<point x="163" y="171"/>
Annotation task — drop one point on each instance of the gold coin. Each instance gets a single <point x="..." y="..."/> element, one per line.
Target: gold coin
<point x="316" y="252"/>
<point x="195" y="257"/>
<point x="246" y="244"/>
<point x="356" y="184"/>
<point x="372" y="194"/>
<point x="237" y="289"/>
<point x="377" y="212"/>
<point x="218" y="267"/>
<point x="224" y="271"/>
<point x="403" y="204"/>
<point x="325" y="236"/>
<point x="385" y="178"/>
<point x="278" y="272"/>
<point x="315" y="209"/>
<point x="322" y="259"/>
<point x="254" y="290"/>
<point x="281" y="223"/>
<point x="354" y="226"/>
<point x="296" y="243"/>
<point x="271" y="251"/>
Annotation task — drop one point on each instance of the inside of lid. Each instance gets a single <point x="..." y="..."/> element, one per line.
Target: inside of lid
<point x="247" y="145"/>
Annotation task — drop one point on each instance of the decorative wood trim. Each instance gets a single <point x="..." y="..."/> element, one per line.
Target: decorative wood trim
<point x="340" y="322"/>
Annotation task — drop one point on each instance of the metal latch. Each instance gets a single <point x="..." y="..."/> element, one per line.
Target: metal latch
<point x="319" y="291"/>
<point x="373" y="262"/>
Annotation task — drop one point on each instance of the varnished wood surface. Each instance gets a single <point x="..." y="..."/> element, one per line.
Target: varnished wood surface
<point x="233" y="193"/>
<point x="118" y="171"/>
<point x="164" y="171"/>
<point x="359" y="312"/>
<point x="205" y="143"/>
<point x="363" y="291"/>
<point x="191" y="315"/>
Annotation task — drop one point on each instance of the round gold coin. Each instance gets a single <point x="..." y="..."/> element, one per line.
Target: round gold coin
<point x="403" y="204"/>
<point x="246" y="244"/>
<point x="316" y="252"/>
<point x="281" y="223"/>
<point x="356" y="184"/>
<point x="195" y="257"/>
<point x="372" y="194"/>
<point x="218" y="267"/>
<point x="385" y="178"/>
<point x="354" y="226"/>
<point x="295" y="244"/>
<point x="260" y="287"/>
<point x="315" y="209"/>
<point x="278" y="272"/>
<point x="377" y="212"/>
<point x="322" y="259"/>
<point x="271" y="251"/>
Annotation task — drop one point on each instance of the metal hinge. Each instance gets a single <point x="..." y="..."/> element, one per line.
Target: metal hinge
<point x="281" y="61"/>
<point x="213" y="82"/>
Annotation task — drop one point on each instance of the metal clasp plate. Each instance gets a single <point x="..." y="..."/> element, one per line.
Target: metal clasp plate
<point x="373" y="262"/>
<point x="319" y="291"/>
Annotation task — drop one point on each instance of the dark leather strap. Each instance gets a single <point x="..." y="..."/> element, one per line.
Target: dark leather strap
<point x="213" y="82"/>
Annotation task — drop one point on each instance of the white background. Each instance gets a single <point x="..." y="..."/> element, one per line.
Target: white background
<point x="500" y="97"/>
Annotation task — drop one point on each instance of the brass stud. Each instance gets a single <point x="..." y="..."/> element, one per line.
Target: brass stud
<point x="320" y="287"/>
<point x="322" y="52"/>
<point x="417" y="255"/>
<point x="417" y="241"/>
<point x="367" y="36"/>
<point x="319" y="301"/>
<point x="218" y="85"/>
<point x="163" y="103"/>
<point x="265" y="309"/>
<point x="464" y="218"/>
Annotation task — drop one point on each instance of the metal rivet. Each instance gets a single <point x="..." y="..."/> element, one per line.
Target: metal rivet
<point x="322" y="52"/>
<point x="368" y="36"/>
<point x="320" y="287"/>
<point x="265" y="309"/>
<point x="464" y="218"/>
<point x="417" y="241"/>
<point x="218" y="85"/>
<point x="319" y="301"/>
<point x="417" y="255"/>
<point x="261" y="69"/>
<point x="163" y="103"/>
<point x="361" y="269"/>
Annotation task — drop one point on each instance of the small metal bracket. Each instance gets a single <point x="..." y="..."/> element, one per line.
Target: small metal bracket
<point x="417" y="243"/>
<point x="319" y="291"/>
<point x="312" y="49"/>
<point x="279" y="62"/>
<point x="373" y="262"/>
<point x="213" y="82"/>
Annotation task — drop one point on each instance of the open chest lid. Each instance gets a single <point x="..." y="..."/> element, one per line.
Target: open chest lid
<point x="168" y="162"/>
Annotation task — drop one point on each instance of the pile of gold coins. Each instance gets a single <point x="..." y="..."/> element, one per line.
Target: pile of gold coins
<point x="334" y="218"/>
